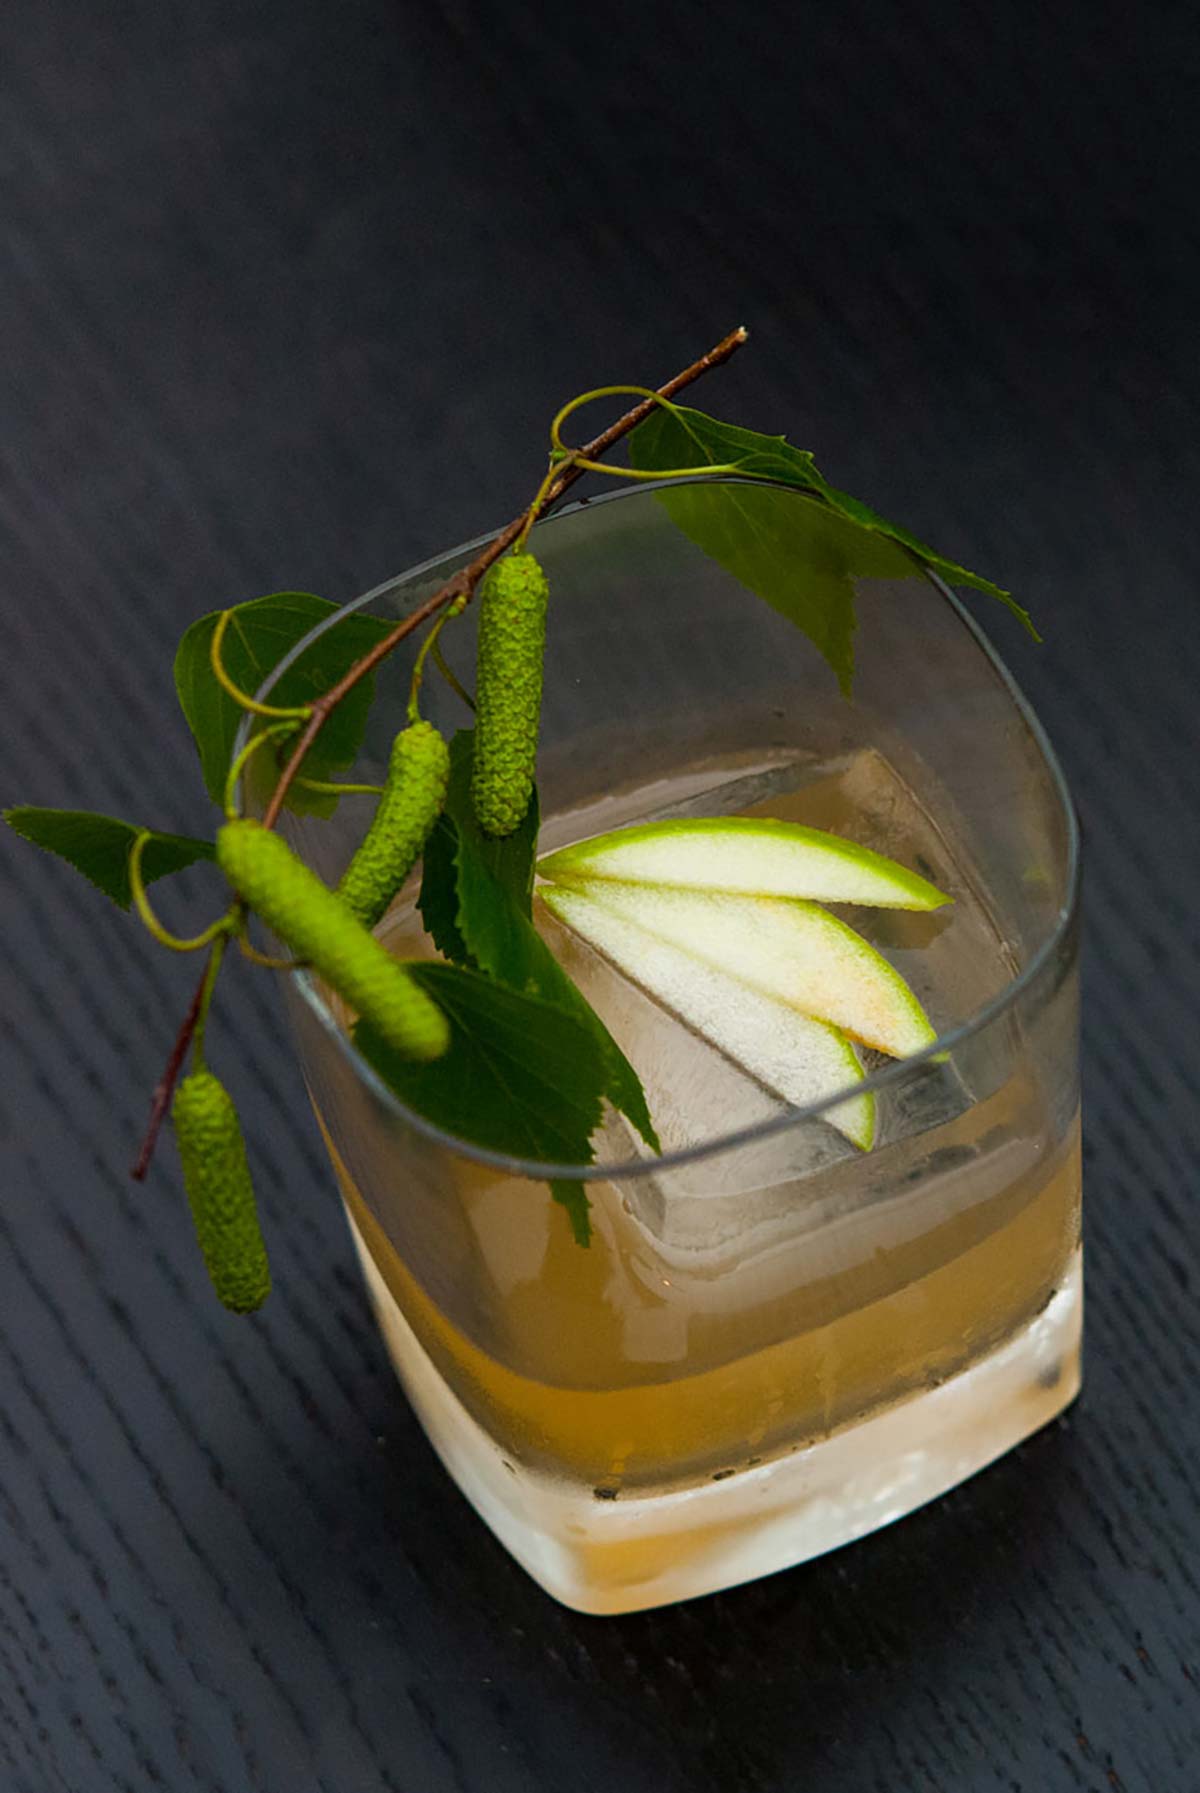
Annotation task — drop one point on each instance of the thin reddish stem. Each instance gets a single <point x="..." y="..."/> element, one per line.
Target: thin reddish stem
<point x="160" y="1102"/>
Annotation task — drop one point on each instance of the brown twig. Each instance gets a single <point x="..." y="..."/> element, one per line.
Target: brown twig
<point x="463" y="583"/>
<point x="163" y="1090"/>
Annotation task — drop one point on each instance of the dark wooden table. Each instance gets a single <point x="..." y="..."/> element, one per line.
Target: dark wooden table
<point x="289" y="293"/>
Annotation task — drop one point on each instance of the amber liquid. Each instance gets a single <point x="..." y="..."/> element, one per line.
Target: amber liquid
<point x="742" y="1385"/>
<point x="662" y="1356"/>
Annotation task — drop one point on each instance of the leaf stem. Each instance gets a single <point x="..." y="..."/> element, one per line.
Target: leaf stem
<point x="141" y="903"/>
<point x="455" y="683"/>
<point x="586" y="398"/>
<point x="579" y="457"/>
<point x="423" y="652"/>
<point x="270" y="960"/>
<point x="656" y="472"/>
<point x="299" y="712"/>
<point x="206" y="990"/>
<point x="463" y="583"/>
<point x="325" y="788"/>
<point x="559" y="463"/>
<point x="248" y="751"/>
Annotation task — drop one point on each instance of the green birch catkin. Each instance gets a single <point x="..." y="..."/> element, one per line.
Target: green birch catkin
<point x="217" y="1179"/>
<point x="418" y="774"/>
<point x="318" y="927"/>
<point x="508" y="690"/>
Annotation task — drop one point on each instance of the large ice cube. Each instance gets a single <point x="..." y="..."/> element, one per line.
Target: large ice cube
<point x="796" y="1177"/>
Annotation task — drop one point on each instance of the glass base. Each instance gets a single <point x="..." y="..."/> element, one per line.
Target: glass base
<point x="614" y="1556"/>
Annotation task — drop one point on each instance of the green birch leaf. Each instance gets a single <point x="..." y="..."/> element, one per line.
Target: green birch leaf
<point x="803" y="561"/>
<point x="464" y="868"/>
<point x="438" y="898"/>
<point x="573" y="1197"/>
<point x="801" y="558"/>
<point x="98" y="846"/>
<point x="506" y="863"/>
<point x="476" y="903"/>
<point x="521" y="1075"/>
<point x="260" y="634"/>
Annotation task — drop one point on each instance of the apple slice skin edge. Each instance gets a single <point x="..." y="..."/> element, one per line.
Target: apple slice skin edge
<point x="692" y="989"/>
<point x="789" y="950"/>
<point x="745" y="855"/>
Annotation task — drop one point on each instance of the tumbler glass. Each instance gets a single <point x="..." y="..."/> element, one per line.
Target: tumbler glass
<point x="774" y="1343"/>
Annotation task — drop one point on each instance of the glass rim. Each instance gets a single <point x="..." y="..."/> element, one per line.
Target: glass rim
<point x="544" y="1170"/>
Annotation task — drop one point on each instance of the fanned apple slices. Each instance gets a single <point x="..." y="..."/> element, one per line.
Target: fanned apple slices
<point x="719" y="921"/>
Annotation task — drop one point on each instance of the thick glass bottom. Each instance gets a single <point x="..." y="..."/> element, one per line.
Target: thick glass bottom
<point x="602" y="1555"/>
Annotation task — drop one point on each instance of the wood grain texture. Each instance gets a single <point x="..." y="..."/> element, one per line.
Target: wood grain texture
<point x="288" y="293"/>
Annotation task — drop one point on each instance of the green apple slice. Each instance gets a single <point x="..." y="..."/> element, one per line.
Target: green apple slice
<point x="788" y="950"/>
<point x="746" y="855"/>
<point x="799" y="1058"/>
